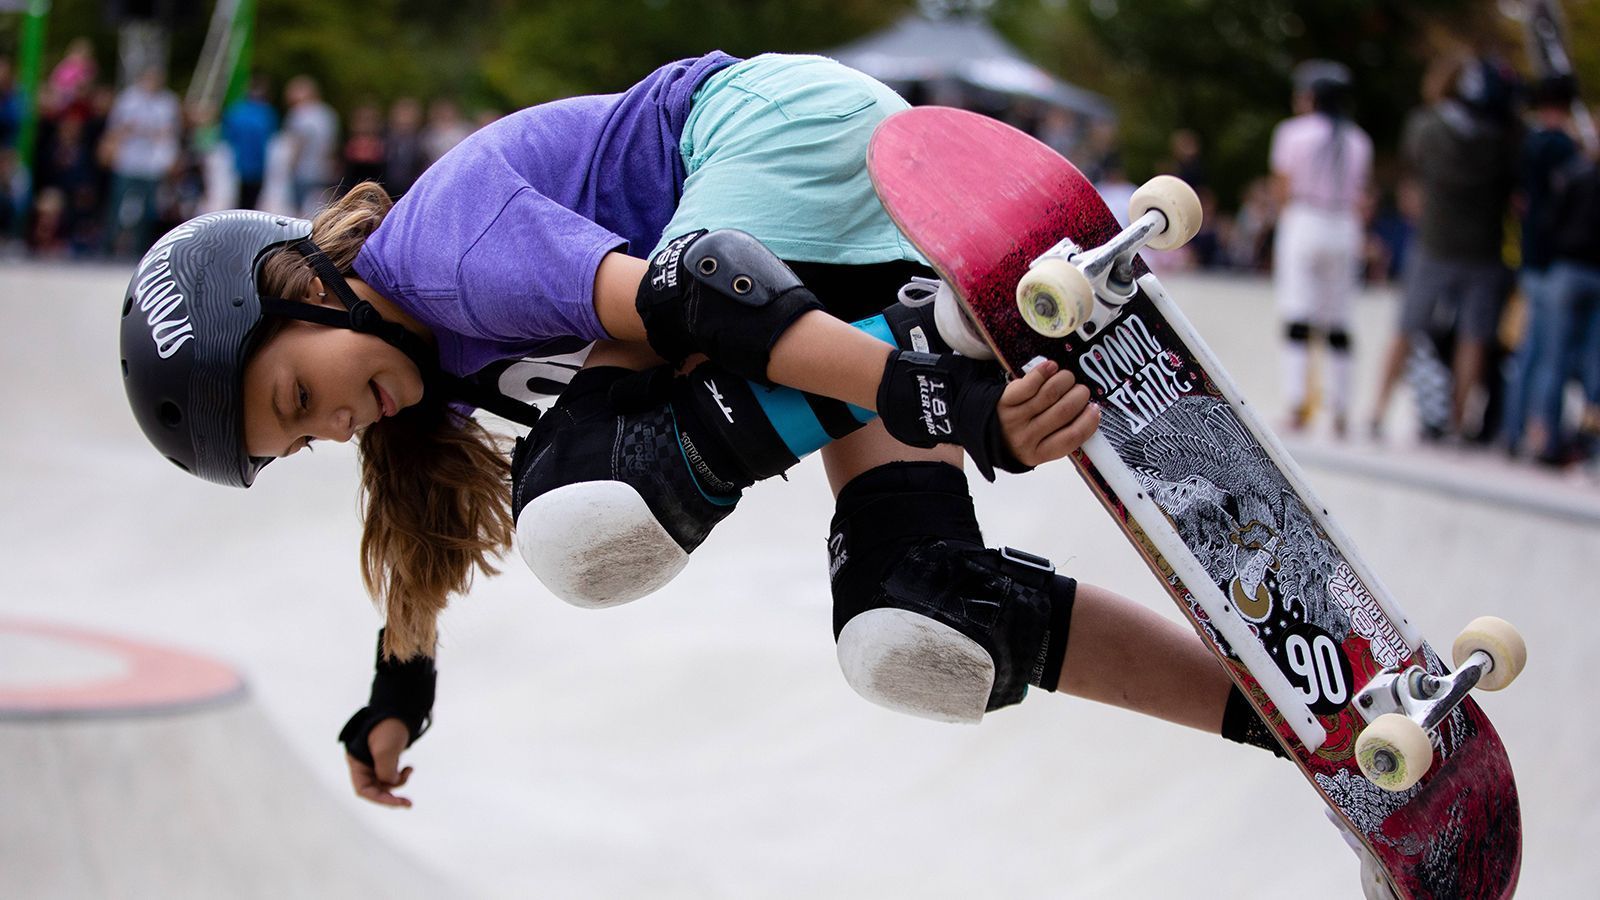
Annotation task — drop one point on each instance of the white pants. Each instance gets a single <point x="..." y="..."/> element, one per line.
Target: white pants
<point x="1314" y="272"/>
<point x="1315" y="259"/>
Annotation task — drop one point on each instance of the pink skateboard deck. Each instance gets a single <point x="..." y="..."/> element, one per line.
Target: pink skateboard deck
<point x="1209" y="498"/>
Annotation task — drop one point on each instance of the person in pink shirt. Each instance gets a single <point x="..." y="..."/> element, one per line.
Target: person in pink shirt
<point x="1321" y="164"/>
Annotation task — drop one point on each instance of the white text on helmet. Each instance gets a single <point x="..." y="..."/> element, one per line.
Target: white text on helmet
<point x="158" y="298"/>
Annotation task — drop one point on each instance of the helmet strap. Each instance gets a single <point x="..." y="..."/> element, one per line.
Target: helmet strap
<point x="361" y="316"/>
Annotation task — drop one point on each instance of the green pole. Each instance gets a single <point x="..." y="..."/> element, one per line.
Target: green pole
<point x="30" y="61"/>
<point x="241" y="45"/>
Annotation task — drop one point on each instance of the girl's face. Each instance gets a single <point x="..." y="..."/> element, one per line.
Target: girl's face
<point x="313" y="382"/>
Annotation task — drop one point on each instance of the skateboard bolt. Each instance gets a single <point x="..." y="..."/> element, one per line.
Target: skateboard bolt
<point x="1044" y="306"/>
<point x="1383" y="762"/>
<point x="1423" y="685"/>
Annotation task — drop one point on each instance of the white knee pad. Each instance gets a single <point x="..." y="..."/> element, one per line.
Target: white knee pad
<point x="596" y="544"/>
<point x="913" y="664"/>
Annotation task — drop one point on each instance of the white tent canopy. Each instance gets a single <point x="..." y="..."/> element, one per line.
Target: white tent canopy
<point x="963" y="49"/>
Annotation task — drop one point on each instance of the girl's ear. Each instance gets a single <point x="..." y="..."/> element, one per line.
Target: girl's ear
<point x="317" y="295"/>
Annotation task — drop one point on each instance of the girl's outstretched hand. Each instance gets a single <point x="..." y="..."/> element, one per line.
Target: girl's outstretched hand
<point x="1046" y="414"/>
<point x="378" y="782"/>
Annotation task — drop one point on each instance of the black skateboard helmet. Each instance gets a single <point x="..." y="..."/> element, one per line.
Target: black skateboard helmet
<point x="190" y="318"/>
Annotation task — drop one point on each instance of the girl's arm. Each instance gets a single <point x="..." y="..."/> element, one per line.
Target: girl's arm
<point x="1042" y="416"/>
<point x="818" y="354"/>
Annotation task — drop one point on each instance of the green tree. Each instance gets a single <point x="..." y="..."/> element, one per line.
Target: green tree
<point x="555" y="48"/>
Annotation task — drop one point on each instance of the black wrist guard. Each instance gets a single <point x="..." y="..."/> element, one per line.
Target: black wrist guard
<point x="400" y="690"/>
<point x="721" y="293"/>
<point x="925" y="400"/>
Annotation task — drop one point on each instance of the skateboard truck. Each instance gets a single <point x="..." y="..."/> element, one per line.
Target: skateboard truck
<point x="1403" y="707"/>
<point x="1057" y="295"/>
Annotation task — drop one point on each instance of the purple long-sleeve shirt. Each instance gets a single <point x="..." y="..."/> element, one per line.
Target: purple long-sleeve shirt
<point x="495" y="247"/>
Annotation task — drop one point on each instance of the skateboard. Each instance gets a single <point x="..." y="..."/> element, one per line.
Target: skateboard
<point x="1033" y="264"/>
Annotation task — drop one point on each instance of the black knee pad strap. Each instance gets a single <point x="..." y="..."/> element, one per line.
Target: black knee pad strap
<point x="1339" y="340"/>
<point x="1299" y="332"/>
<point x="585" y="438"/>
<point x="905" y="536"/>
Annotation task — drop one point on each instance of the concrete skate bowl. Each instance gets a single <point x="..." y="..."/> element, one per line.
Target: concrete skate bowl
<point x="130" y="770"/>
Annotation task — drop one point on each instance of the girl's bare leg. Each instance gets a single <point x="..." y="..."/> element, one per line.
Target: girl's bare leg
<point x="1125" y="654"/>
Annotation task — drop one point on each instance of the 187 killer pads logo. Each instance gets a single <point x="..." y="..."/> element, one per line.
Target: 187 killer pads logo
<point x="1137" y="375"/>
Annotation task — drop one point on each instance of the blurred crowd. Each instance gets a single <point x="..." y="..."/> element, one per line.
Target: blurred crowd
<point x="113" y="169"/>
<point x="1491" y="229"/>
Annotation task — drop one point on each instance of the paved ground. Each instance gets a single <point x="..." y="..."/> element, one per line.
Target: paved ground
<point x="701" y="743"/>
<point x="133" y="771"/>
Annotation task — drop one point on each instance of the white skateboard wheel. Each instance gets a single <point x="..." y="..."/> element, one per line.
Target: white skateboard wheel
<point x="1055" y="297"/>
<point x="1174" y="199"/>
<point x="1394" y="752"/>
<point x="1496" y="637"/>
<point x="955" y="326"/>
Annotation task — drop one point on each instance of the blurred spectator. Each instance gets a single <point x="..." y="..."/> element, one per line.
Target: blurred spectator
<point x="1547" y="150"/>
<point x="247" y="125"/>
<point x="197" y="183"/>
<point x="1390" y="232"/>
<point x="1321" y="166"/>
<point x="363" y="154"/>
<point x="1460" y="147"/>
<point x="46" y="224"/>
<point x="403" y="155"/>
<point x="1186" y="163"/>
<point x="72" y="78"/>
<point x="1249" y="242"/>
<point x="1061" y="130"/>
<point x="1098" y="149"/>
<point x="141" y="145"/>
<point x="312" y="131"/>
<point x="446" y="128"/>
<point x="66" y="164"/>
<point x="1114" y="187"/>
<point x="10" y="126"/>
<point x="1571" y="339"/>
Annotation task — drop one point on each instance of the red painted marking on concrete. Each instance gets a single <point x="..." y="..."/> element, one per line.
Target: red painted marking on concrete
<point x="155" y="677"/>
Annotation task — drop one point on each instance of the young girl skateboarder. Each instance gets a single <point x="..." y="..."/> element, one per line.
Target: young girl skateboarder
<point x="247" y="337"/>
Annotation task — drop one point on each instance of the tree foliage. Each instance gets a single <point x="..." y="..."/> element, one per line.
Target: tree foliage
<point x="506" y="54"/>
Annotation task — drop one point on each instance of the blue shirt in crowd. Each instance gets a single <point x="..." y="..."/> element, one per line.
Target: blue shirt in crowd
<point x="247" y="126"/>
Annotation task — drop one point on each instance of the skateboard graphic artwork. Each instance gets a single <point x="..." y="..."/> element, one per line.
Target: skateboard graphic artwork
<point x="1033" y="264"/>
